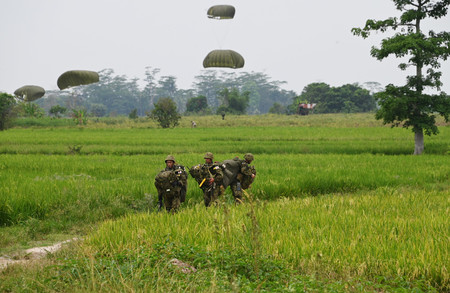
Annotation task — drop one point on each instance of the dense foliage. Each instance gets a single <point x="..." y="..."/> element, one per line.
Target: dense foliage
<point x="277" y="108"/>
<point x="7" y="103"/>
<point x="57" y="111"/>
<point x="165" y="113"/>
<point x="233" y="102"/>
<point x="197" y="105"/>
<point x="349" y="98"/>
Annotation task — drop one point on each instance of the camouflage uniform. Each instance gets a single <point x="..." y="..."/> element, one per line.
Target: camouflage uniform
<point x="244" y="179"/>
<point x="171" y="184"/>
<point x="211" y="192"/>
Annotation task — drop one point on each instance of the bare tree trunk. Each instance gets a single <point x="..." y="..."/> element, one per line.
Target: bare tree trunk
<point x="418" y="140"/>
<point x="418" y="134"/>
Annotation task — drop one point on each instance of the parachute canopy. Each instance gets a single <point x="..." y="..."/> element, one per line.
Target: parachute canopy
<point x="77" y="77"/>
<point x="223" y="58"/>
<point x="30" y="92"/>
<point x="221" y="12"/>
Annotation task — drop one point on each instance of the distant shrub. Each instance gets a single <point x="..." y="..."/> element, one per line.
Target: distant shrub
<point x="165" y="113"/>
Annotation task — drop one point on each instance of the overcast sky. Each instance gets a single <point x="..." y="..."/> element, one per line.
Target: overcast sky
<point x="296" y="41"/>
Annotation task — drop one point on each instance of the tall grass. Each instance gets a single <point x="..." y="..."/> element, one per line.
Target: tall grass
<point x="387" y="233"/>
<point x="91" y="188"/>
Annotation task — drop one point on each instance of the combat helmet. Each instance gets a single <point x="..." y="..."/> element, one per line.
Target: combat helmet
<point x="208" y="155"/>
<point x="170" y="158"/>
<point x="249" y="157"/>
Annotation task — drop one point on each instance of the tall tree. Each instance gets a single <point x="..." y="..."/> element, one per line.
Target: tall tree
<point x="208" y="84"/>
<point x="181" y="98"/>
<point x="167" y="86"/>
<point x="149" y="92"/>
<point x="411" y="105"/>
<point x="117" y="93"/>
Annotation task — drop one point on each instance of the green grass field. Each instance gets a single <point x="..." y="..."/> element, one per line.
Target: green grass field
<point x="339" y="204"/>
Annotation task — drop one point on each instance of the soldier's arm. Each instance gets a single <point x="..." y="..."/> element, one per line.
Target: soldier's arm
<point x="245" y="169"/>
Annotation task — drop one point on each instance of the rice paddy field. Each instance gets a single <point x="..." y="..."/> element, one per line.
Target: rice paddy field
<point x="339" y="204"/>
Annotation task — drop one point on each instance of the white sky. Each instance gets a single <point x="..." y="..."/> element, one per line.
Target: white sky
<point x="296" y="41"/>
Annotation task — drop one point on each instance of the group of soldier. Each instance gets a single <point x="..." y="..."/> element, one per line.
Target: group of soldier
<point x="212" y="177"/>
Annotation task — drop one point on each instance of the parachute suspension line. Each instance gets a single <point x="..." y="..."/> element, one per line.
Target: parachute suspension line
<point x="222" y="58"/>
<point x="220" y="29"/>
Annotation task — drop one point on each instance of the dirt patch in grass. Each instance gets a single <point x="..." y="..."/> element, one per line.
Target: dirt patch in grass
<point x="32" y="254"/>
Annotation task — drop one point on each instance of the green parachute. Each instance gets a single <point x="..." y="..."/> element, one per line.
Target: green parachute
<point x="221" y="12"/>
<point x="29" y="93"/>
<point x="224" y="58"/>
<point x="77" y="77"/>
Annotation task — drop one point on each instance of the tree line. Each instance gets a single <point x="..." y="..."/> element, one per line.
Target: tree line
<point x="212" y="92"/>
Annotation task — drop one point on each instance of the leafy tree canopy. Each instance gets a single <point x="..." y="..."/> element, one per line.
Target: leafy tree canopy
<point x="349" y="98"/>
<point x="57" y="111"/>
<point x="165" y="113"/>
<point x="277" y="108"/>
<point x="197" y="104"/>
<point x="233" y="101"/>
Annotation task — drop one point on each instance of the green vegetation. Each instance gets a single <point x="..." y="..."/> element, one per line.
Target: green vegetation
<point x="339" y="205"/>
<point x="348" y="98"/>
<point x="165" y="113"/>
<point x="7" y="103"/>
<point x="197" y="106"/>
<point x="57" y="111"/>
<point x="233" y="102"/>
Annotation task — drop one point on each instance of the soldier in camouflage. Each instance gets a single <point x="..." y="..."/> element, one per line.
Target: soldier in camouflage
<point x="171" y="184"/>
<point x="244" y="178"/>
<point x="212" y="177"/>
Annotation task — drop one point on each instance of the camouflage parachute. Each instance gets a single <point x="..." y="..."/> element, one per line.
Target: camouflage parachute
<point x="224" y="58"/>
<point x="221" y="12"/>
<point x="29" y="93"/>
<point x="230" y="170"/>
<point x="77" y="77"/>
